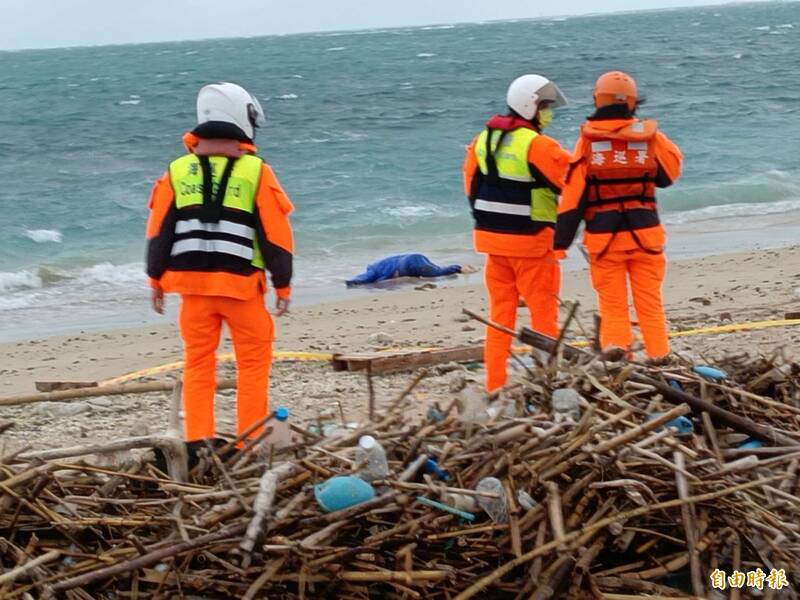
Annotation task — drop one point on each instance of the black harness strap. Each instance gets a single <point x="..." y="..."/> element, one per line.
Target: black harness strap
<point x="600" y="201"/>
<point x="491" y="164"/>
<point x="212" y="203"/>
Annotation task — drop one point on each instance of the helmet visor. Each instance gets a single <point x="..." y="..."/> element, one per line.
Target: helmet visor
<point x="552" y="94"/>
<point x="255" y="113"/>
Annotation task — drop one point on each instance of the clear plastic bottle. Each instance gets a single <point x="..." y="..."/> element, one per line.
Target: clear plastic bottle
<point x="473" y="406"/>
<point x="566" y="406"/>
<point x="371" y="458"/>
<point x="496" y="508"/>
<point x="281" y="434"/>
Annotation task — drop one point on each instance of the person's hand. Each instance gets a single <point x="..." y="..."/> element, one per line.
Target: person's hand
<point x="157" y="300"/>
<point x="281" y="306"/>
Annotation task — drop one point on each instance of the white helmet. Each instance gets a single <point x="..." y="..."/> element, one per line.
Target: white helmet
<point x="230" y="103"/>
<point x="527" y="92"/>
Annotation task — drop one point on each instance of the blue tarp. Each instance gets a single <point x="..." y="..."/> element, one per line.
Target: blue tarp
<point x="402" y="265"/>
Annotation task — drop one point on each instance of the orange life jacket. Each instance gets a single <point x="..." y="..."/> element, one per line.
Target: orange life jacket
<point x="621" y="170"/>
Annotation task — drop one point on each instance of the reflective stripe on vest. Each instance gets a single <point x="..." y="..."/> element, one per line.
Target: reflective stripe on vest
<point x="513" y="201"/>
<point x="216" y="237"/>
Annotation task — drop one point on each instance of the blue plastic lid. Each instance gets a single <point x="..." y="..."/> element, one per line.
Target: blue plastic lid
<point x="282" y="413"/>
<point x="750" y="444"/>
<point x="710" y="372"/>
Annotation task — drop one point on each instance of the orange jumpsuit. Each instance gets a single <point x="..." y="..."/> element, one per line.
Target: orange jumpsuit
<point x="616" y="166"/>
<point x="229" y="292"/>
<point x="519" y="263"/>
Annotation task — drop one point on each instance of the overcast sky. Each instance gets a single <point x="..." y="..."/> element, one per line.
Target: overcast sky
<point x="57" y="23"/>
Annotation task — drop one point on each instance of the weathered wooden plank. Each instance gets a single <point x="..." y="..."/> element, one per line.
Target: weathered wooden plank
<point x="53" y="386"/>
<point x="384" y="362"/>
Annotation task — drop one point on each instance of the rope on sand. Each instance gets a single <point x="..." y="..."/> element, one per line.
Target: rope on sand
<point x="288" y="355"/>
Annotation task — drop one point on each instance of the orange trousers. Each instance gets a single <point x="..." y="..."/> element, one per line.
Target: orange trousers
<point x="538" y="281"/>
<point x="252" y="331"/>
<point x="610" y="275"/>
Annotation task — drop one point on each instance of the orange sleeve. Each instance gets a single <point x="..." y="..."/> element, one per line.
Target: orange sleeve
<point x="160" y="202"/>
<point x="470" y="166"/>
<point x="275" y="231"/>
<point x="160" y="229"/>
<point x="570" y="209"/>
<point x="550" y="160"/>
<point x="669" y="158"/>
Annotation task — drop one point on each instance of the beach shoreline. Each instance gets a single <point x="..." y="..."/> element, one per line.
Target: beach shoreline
<point x="748" y="286"/>
<point x="112" y="297"/>
<point x="725" y="289"/>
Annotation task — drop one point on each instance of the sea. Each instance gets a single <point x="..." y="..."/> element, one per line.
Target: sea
<point x="366" y="131"/>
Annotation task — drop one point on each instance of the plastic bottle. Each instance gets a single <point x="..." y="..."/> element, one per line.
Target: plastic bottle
<point x="371" y="458"/>
<point x="496" y="508"/>
<point x="525" y="500"/>
<point x="473" y="406"/>
<point x="281" y="435"/>
<point x="432" y="468"/>
<point x="566" y="406"/>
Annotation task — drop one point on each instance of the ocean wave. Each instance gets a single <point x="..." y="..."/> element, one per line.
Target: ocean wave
<point x="129" y="102"/>
<point x="425" y="55"/>
<point x="12" y="281"/>
<point x="287" y="97"/>
<point x="410" y="211"/>
<point x="437" y="27"/>
<point x="336" y="49"/>
<point x="108" y="273"/>
<point x="729" y="211"/>
<point x="45" y="277"/>
<point x="311" y="140"/>
<point x="43" y="236"/>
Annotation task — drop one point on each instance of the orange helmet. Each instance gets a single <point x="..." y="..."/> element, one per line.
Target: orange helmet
<point x="615" y="87"/>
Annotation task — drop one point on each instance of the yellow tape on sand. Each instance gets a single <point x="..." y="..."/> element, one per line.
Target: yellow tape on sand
<point x="731" y="328"/>
<point x="287" y="355"/>
<point x="278" y="356"/>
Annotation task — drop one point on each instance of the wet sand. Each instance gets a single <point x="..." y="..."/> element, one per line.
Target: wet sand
<point x="709" y="291"/>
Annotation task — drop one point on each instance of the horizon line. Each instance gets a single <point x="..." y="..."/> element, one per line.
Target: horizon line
<point x="396" y="27"/>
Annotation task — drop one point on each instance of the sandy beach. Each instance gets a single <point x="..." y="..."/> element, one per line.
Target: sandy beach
<point x="738" y="288"/>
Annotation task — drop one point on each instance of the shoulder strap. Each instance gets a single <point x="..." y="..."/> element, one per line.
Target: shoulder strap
<point x="212" y="203"/>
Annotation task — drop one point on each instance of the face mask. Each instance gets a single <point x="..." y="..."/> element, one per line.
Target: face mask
<point x="545" y="117"/>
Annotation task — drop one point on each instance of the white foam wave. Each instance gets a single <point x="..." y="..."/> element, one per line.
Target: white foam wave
<point x="425" y="54"/>
<point x="728" y="211"/>
<point x="11" y="281"/>
<point x="335" y="49"/>
<point x="14" y="303"/>
<point x="785" y="26"/>
<point x="763" y="28"/>
<point x="410" y="211"/>
<point x="42" y="236"/>
<point x="129" y="102"/>
<point x="287" y="97"/>
<point x="108" y="273"/>
<point x="737" y="56"/>
<point x="311" y="140"/>
<point x="435" y="27"/>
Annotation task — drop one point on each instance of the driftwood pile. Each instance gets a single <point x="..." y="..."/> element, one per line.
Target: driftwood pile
<point x="614" y="505"/>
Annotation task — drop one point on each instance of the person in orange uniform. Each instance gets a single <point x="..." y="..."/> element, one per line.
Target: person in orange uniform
<point x="618" y="163"/>
<point x="218" y="220"/>
<point x="513" y="174"/>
